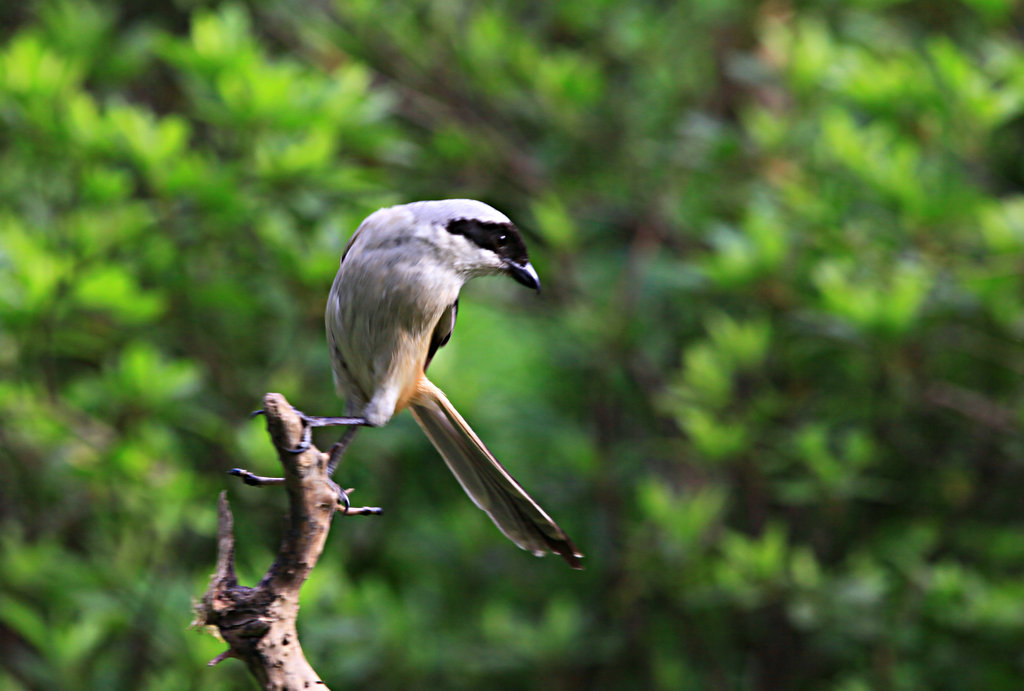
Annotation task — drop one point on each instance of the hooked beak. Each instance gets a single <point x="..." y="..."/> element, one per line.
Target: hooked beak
<point x="524" y="273"/>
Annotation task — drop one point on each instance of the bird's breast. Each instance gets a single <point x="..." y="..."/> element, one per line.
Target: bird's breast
<point x="380" y="317"/>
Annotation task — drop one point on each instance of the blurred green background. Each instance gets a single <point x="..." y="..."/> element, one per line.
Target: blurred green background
<point x="772" y="387"/>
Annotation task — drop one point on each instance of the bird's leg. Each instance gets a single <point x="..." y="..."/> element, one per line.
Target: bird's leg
<point x="336" y="451"/>
<point x="334" y="455"/>
<point x="311" y="421"/>
<point x="347" y="509"/>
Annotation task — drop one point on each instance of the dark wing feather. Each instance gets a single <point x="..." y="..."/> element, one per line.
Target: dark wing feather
<point x="442" y="332"/>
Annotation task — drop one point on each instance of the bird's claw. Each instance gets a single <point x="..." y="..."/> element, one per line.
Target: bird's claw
<point x="307" y="430"/>
<point x="343" y="499"/>
<point x="311" y="421"/>
<point x="306" y="441"/>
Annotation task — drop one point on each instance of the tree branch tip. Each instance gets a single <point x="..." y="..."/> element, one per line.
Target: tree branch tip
<point x="225" y="543"/>
<point x="220" y="658"/>
<point x="275" y="405"/>
<point x="287" y="429"/>
<point x="225" y="521"/>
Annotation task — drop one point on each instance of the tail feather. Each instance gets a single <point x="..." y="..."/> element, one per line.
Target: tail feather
<point x="486" y="482"/>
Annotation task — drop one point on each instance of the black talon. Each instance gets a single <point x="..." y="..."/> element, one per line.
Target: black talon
<point x="343" y="499"/>
<point x="307" y="434"/>
<point x="306" y="441"/>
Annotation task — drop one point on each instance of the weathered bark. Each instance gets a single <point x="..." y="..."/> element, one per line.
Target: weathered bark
<point x="258" y="623"/>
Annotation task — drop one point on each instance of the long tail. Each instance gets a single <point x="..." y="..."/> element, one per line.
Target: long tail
<point x="486" y="482"/>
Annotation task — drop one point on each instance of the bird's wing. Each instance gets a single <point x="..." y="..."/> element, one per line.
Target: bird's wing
<point x="442" y="332"/>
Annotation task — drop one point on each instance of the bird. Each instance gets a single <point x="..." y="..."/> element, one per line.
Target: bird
<point x="392" y="306"/>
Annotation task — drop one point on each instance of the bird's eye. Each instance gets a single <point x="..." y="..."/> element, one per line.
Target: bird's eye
<point x="501" y="240"/>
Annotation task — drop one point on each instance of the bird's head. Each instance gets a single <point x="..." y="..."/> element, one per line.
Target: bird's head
<point x="480" y="238"/>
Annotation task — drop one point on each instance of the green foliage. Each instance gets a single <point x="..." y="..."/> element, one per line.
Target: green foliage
<point x="772" y="387"/>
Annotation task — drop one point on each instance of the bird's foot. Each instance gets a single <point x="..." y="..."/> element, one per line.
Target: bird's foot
<point x="255" y="480"/>
<point x="311" y="421"/>
<point x="342" y="495"/>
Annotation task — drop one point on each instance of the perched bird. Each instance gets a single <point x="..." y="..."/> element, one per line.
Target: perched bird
<point x="392" y="305"/>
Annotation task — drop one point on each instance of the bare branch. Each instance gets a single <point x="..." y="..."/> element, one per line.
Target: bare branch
<point x="258" y="623"/>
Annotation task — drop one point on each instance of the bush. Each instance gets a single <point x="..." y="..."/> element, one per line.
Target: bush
<point x="772" y="388"/>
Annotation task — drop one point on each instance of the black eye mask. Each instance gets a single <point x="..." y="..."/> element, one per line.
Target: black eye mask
<point x="501" y="238"/>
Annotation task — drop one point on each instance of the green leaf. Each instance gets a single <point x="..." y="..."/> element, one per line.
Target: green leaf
<point x="112" y="289"/>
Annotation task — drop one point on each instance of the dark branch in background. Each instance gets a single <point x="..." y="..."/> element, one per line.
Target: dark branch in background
<point x="973" y="405"/>
<point x="258" y="623"/>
